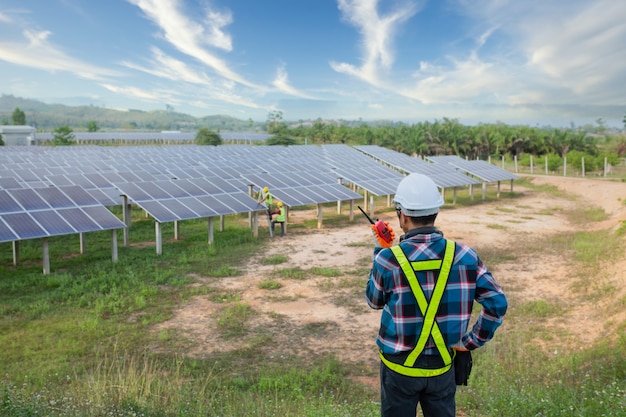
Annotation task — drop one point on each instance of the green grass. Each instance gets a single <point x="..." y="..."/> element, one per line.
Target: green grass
<point x="269" y="284"/>
<point x="274" y="260"/>
<point x="80" y="341"/>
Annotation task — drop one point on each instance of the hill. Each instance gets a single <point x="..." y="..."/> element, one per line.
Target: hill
<point x="46" y="117"/>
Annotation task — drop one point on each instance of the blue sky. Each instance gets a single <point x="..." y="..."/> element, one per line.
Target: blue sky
<point x="533" y="62"/>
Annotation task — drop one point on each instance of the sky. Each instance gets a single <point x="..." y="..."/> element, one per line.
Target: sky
<point x="533" y="62"/>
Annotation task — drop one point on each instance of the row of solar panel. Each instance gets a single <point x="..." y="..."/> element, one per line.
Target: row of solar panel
<point x="480" y="169"/>
<point x="138" y="136"/>
<point x="53" y="222"/>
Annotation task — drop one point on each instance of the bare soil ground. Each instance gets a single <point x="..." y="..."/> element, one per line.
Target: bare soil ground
<point x="322" y="314"/>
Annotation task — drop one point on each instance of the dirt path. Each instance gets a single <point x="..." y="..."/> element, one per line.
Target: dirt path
<point x="321" y="314"/>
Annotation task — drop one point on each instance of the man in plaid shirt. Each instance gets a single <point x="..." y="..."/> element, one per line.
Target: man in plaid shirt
<point x="426" y="287"/>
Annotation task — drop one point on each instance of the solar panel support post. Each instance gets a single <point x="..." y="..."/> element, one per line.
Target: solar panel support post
<point x="471" y="191"/>
<point x="114" y="245"/>
<point x="255" y="224"/>
<point x="512" y="185"/>
<point x="222" y="222"/>
<point x="159" y="237"/>
<point x="176" y="230"/>
<point x="372" y="206"/>
<point x="251" y="194"/>
<point x="46" y="256"/>
<point x="16" y="252"/>
<point x="126" y="217"/>
<point x="319" y="216"/>
<point x="340" y="181"/>
<point x="210" y="231"/>
<point x="454" y="195"/>
<point x="81" y="237"/>
<point x="498" y="191"/>
<point x="484" y="189"/>
<point x="351" y="210"/>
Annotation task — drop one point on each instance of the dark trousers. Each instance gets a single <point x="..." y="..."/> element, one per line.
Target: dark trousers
<point x="400" y="395"/>
<point x="282" y="227"/>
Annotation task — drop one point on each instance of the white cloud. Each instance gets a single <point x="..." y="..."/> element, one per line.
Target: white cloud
<point x="165" y="66"/>
<point x="137" y="93"/>
<point x="190" y="37"/>
<point x="564" y="51"/>
<point x="36" y="51"/>
<point x="377" y="34"/>
<point x="281" y="82"/>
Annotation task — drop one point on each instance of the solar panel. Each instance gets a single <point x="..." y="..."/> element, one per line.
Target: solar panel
<point x="443" y="175"/>
<point x="29" y="199"/>
<point x="6" y="235"/>
<point x="79" y="196"/>
<point x="154" y="191"/>
<point x="237" y="205"/>
<point x="190" y="188"/>
<point x="480" y="169"/>
<point x="172" y="188"/>
<point x="59" y="180"/>
<point x="81" y="180"/>
<point x="214" y="204"/>
<point x="181" y="211"/>
<point x="103" y="217"/>
<point x="9" y="183"/>
<point x="52" y="222"/>
<point x="24" y="226"/>
<point x="158" y="211"/>
<point x="198" y="207"/>
<point x="106" y="196"/>
<point x="55" y="197"/>
<point x="98" y="180"/>
<point x="8" y="204"/>
<point x="133" y="191"/>
<point x="79" y="220"/>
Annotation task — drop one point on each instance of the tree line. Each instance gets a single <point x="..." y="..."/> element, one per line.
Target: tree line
<point x="449" y="137"/>
<point x="439" y="137"/>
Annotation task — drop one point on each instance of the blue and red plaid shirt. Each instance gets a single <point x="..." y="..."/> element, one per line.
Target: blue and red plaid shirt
<point x="469" y="281"/>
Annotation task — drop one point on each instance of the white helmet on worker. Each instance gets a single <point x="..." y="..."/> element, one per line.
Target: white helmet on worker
<point x="418" y="196"/>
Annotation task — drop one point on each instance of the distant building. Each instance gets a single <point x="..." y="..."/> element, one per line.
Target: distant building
<point x="17" y="135"/>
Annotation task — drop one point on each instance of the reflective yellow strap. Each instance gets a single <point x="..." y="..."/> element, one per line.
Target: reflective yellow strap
<point x="428" y="310"/>
<point x="415" y="372"/>
<point x="426" y="265"/>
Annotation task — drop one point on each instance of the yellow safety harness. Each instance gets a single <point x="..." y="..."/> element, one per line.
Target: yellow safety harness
<point x="428" y="310"/>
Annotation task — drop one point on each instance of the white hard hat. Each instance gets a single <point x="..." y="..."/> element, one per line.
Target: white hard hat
<point x="418" y="196"/>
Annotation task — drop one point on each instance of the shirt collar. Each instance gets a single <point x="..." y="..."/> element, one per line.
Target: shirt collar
<point x="427" y="230"/>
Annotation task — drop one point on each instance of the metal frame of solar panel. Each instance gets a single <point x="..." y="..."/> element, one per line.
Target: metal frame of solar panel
<point x="480" y="169"/>
<point x="442" y="175"/>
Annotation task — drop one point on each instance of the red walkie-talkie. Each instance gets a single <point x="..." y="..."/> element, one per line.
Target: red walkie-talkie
<point x="383" y="231"/>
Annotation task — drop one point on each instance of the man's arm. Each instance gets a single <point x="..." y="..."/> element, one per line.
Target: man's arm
<point x="375" y="293"/>
<point x="494" y="305"/>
